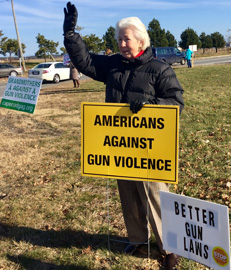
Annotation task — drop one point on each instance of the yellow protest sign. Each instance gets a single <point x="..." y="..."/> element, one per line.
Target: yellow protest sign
<point x="119" y="144"/>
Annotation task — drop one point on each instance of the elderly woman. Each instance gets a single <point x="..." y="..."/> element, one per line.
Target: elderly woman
<point x="133" y="77"/>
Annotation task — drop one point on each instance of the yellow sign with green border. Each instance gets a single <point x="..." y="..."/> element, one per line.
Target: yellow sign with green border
<point x="117" y="143"/>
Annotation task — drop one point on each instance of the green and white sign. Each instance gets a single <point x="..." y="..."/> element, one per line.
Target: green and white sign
<point x="21" y="94"/>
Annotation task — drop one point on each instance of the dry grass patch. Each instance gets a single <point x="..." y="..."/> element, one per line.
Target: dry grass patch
<point x="53" y="218"/>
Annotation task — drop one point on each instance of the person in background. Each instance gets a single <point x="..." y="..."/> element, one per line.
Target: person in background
<point x="74" y="75"/>
<point x="188" y="57"/>
<point x="136" y="78"/>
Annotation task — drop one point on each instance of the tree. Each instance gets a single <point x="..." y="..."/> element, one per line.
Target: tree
<point x="110" y="41"/>
<point x="94" y="43"/>
<point x="163" y="42"/>
<point x="189" y="37"/>
<point x="2" y="40"/>
<point x="206" y="41"/>
<point x="63" y="50"/>
<point x="79" y="28"/>
<point x="156" y="34"/>
<point x="171" y="39"/>
<point x="218" y="40"/>
<point x="228" y="36"/>
<point x="46" y="47"/>
<point x="11" y="46"/>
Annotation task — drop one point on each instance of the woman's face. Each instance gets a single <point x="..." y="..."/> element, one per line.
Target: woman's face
<point x="129" y="46"/>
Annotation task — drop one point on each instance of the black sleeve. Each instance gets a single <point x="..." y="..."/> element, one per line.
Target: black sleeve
<point x="168" y="88"/>
<point x="92" y="65"/>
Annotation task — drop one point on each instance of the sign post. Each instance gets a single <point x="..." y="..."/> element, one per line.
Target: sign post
<point x="196" y="229"/>
<point x="119" y="144"/>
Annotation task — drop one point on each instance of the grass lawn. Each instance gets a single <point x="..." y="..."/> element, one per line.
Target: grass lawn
<point x="53" y="218"/>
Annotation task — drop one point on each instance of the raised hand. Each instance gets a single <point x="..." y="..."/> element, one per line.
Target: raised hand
<point x="70" y="19"/>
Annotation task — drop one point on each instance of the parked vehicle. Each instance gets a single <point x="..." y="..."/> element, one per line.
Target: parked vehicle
<point x="50" y="71"/>
<point x="9" y="70"/>
<point x="170" y="55"/>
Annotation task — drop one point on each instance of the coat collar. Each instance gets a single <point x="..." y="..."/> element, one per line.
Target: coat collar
<point x="145" y="57"/>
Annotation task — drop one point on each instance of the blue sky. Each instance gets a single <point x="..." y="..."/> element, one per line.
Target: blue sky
<point x="96" y="16"/>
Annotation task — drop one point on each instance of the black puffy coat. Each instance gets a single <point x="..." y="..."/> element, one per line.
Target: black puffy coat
<point x="126" y="80"/>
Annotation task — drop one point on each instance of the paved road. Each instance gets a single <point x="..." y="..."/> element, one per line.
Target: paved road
<point x="212" y="60"/>
<point x="44" y="85"/>
<point x="197" y="62"/>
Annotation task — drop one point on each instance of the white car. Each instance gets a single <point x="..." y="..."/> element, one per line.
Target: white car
<point x="50" y="71"/>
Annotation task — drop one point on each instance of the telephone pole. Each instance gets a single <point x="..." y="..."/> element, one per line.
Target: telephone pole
<point x="19" y="43"/>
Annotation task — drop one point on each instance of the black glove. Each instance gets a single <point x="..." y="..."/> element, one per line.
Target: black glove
<point x="70" y="19"/>
<point x="137" y="104"/>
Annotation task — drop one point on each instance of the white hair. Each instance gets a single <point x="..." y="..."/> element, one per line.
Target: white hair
<point x="138" y="28"/>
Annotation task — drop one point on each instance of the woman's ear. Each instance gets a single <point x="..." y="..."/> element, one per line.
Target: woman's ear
<point x="141" y="44"/>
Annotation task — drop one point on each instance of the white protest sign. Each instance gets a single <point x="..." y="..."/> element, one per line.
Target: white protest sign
<point x="193" y="48"/>
<point x="196" y="229"/>
<point x="21" y="94"/>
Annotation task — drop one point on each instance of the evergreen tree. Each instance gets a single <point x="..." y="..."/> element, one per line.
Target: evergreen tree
<point x="206" y="41"/>
<point x="2" y="40"/>
<point x="189" y="37"/>
<point x="94" y="43"/>
<point x="10" y="46"/>
<point x="218" y="40"/>
<point x="228" y="36"/>
<point x="159" y="37"/>
<point x="163" y="41"/>
<point x="79" y="28"/>
<point x="46" y="47"/>
<point x="110" y="41"/>
<point x="155" y="33"/>
<point x="63" y="50"/>
<point x="171" y="39"/>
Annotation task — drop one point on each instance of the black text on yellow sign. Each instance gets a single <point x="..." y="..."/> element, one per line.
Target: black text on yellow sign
<point x="119" y="144"/>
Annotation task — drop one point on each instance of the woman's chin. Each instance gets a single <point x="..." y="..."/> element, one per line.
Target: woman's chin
<point x="127" y="55"/>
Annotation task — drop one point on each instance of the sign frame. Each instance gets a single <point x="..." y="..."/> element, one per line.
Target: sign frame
<point x="90" y="110"/>
<point x="21" y="94"/>
<point x="196" y="229"/>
